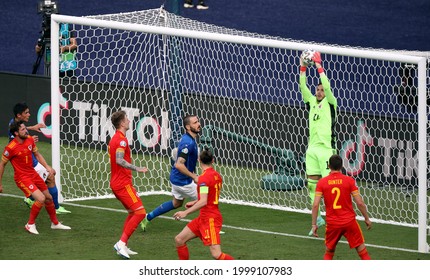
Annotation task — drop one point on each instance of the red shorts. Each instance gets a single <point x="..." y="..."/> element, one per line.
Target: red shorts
<point x="128" y="196"/>
<point x="29" y="185"/>
<point x="351" y="231"/>
<point x="207" y="230"/>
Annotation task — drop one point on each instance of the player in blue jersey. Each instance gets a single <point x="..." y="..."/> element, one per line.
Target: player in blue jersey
<point x="22" y="113"/>
<point x="182" y="176"/>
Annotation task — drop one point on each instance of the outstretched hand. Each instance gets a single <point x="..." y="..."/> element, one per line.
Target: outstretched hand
<point x="179" y="215"/>
<point x="142" y="169"/>
<point x="316" y="57"/>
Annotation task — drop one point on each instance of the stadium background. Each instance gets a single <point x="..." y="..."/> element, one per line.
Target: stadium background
<point x="382" y="24"/>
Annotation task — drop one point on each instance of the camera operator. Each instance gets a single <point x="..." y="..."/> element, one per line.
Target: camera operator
<point x="67" y="41"/>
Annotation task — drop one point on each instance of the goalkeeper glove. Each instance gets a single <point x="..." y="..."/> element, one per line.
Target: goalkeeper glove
<point x="316" y="57"/>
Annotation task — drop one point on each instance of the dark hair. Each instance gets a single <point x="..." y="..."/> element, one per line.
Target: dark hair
<point x="187" y="120"/>
<point x="335" y="162"/>
<point x="117" y="118"/>
<point x="14" y="127"/>
<point x="206" y="156"/>
<point x="19" y="108"/>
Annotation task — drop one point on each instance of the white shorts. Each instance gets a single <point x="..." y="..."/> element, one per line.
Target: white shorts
<point x="41" y="170"/>
<point x="187" y="191"/>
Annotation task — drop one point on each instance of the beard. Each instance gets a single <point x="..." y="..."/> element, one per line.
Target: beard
<point x="196" y="130"/>
<point x="23" y="137"/>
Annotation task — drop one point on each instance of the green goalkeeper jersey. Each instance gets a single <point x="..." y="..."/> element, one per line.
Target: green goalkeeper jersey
<point x="322" y="115"/>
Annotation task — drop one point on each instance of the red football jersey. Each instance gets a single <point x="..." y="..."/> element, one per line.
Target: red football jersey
<point x="337" y="190"/>
<point x="211" y="180"/>
<point x="21" y="157"/>
<point x="120" y="176"/>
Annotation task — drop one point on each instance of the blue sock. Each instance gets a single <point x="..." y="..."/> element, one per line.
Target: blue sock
<point x="163" y="208"/>
<point x="54" y="193"/>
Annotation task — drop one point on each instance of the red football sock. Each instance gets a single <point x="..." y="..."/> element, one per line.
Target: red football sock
<point x="132" y="223"/>
<point x="126" y="220"/>
<point x="328" y="255"/>
<point x="225" y="256"/>
<point x="183" y="253"/>
<point x="34" y="212"/>
<point x="50" y="208"/>
<point x="364" y="255"/>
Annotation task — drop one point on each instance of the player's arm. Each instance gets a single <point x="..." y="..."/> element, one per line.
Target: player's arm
<point x="324" y="80"/>
<point x="36" y="127"/>
<point x="3" y="163"/>
<point x="315" y="207"/>
<point x="362" y="207"/>
<point x="203" y="200"/>
<point x="180" y="165"/>
<point x="306" y="92"/>
<point x="42" y="161"/>
<point x="119" y="158"/>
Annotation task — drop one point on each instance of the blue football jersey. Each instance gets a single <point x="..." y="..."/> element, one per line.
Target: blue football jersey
<point x="188" y="150"/>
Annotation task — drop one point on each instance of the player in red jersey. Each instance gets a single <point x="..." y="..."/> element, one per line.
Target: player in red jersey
<point x="121" y="181"/>
<point x="207" y="225"/>
<point x="337" y="189"/>
<point x="19" y="153"/>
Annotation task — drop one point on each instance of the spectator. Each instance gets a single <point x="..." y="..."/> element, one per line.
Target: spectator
<point x="200" y="6"/>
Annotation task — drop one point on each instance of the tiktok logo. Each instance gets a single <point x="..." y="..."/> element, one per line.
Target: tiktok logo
<point x="353" y="152"/>
<point x="45" y="111"/>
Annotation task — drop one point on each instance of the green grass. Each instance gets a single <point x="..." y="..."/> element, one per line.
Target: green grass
<point x="251" y="233"/>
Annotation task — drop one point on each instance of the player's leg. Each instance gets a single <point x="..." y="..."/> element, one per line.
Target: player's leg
<point x="49" y="203"/>
<point x="213" y="240"/>
<point x="362" y="252"/>
<point x="179" y="194"/>
<point x="39" y="200"/>
<point x="53" y="190"/>
<point x="355" y="238"/>
<point x="130" y="199"/>
<point x="217" y="253"/>
<point x="36" y="207"/>
<point x="332" y="237"/>
<point x="312" y="171"/>
<point x="324" y="155"/>
<point x="183" y="237"/>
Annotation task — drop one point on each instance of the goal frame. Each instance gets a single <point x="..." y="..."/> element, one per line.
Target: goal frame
<point x="369" y="54"/>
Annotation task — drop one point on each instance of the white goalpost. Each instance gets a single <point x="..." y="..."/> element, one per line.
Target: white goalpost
<point x="158" y="66"/>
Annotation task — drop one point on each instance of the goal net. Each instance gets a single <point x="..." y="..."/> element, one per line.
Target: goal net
<point x="158" y="66"/>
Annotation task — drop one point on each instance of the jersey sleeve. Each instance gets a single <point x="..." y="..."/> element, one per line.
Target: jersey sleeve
<point x="306" y="92"/>
<point x="6" y="155"/>
<point x="327" y="91"/>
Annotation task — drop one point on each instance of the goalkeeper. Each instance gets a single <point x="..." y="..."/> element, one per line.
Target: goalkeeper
<point x="322" y="115"/>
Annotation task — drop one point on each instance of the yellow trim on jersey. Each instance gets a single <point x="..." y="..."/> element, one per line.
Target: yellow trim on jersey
<point x="132" y="194"/>
<point x="12" y="144"/>
<point x="212" y="230"/>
